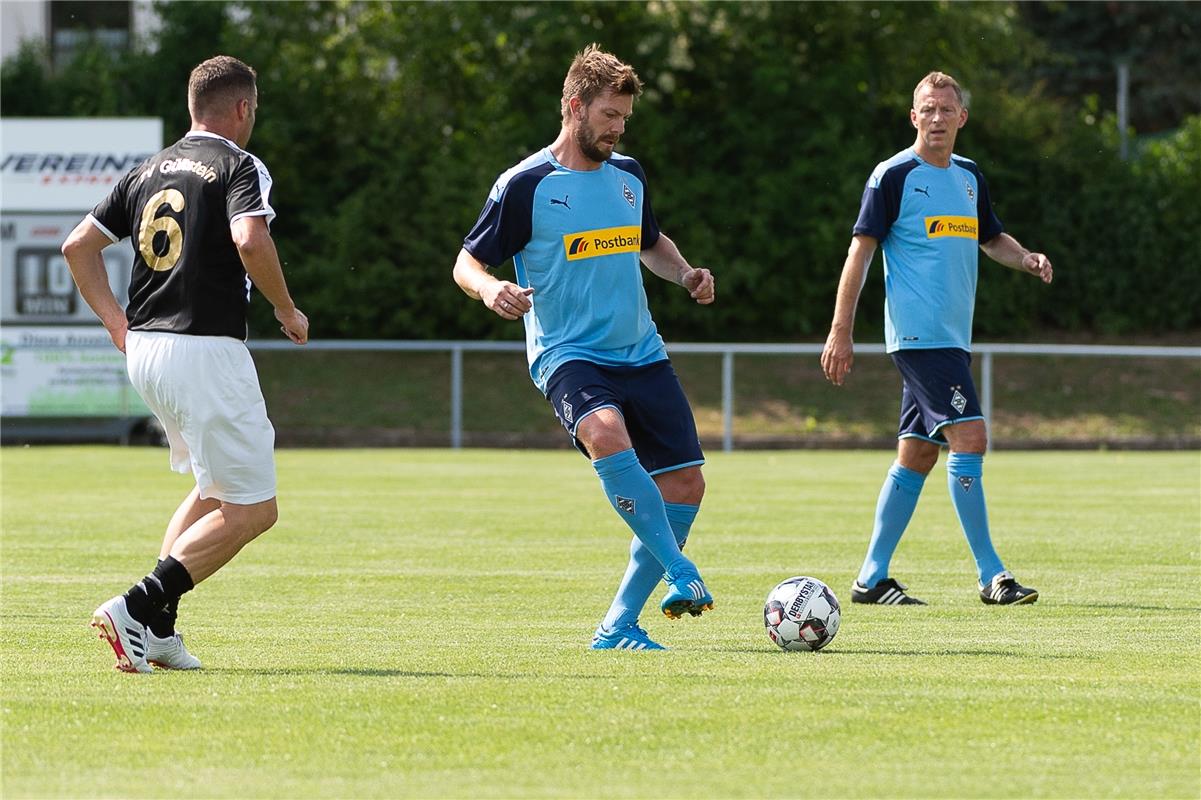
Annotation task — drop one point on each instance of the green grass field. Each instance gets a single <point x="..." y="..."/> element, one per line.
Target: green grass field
<point x="417" y="626"/>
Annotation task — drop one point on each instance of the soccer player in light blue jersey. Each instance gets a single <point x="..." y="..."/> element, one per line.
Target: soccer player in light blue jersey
<point x="576" y="219"/>
<point x="931" y="211"/>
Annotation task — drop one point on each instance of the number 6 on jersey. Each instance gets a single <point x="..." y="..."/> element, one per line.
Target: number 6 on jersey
<point x="152" y="225"/>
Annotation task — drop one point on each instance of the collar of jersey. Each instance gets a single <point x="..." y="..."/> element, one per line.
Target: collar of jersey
<point x="926" y="163"/>
<point x="208" y="135"/>
<point x="551" y="158"/>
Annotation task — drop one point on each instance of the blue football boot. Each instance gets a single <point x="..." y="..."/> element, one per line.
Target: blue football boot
<point x="686" y="593"/>
<point x="630" y="637"/>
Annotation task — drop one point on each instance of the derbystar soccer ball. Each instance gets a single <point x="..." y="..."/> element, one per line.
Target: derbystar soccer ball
<point x="801" y="614"/>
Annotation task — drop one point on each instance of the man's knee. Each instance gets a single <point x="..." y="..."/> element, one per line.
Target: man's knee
<point x="968" y="437"/>
<point x="917" y="455"/>
<point x="268" y="516"/>
<point x="253" y="519"/>
<point x="682" y="485"/>
<point x="603" y="433"/>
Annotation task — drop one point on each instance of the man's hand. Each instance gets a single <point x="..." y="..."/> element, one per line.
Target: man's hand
<point x="1037" y="264"/>
<point x="837" y="357"/>
<point x="294" y="324"/>
<point x="507" y="299"/>
<point x="700" y="285"/>
<point x="117" y="332"/>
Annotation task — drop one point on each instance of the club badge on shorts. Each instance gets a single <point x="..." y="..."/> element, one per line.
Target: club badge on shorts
<point x="958" y="401"/>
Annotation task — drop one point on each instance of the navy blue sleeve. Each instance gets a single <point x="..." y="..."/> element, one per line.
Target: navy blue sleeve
<point x="990" y="224"/>
<point x="881" y="203"/>
<point x="650" y="225"/>
<point x="505" y="223"/>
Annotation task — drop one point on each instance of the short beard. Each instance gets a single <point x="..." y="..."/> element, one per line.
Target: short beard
<point x="587" y="144"/>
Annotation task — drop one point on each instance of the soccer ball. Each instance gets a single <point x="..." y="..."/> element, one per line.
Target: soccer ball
<point x="801" y="614"/>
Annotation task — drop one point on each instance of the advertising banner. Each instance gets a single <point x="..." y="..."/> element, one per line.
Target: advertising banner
<point x="70" y="164"/>
<point x="35" y="283"/>
<point x="55" y="358"/>
<point x="64" y="372"/>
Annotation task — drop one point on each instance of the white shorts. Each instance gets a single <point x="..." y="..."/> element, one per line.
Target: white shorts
<point x="205" y="392"/>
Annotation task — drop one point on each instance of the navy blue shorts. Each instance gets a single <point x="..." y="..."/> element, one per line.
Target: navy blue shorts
<point x="938" y="392"/>
<point x="649" y="398"/>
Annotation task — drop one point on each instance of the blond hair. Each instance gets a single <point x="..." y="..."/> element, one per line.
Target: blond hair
<point x="592" y="72"/>
<point x="938" y="80"/>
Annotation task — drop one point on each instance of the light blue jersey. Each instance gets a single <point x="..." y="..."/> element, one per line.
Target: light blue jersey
<point x="575" y="238"/>
<point x="930" y="222"/>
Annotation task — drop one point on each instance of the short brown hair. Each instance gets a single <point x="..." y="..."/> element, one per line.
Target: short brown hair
<point x="939" y="80"/>
<point x="219" y="79"/>
<point x="592" y="72"/>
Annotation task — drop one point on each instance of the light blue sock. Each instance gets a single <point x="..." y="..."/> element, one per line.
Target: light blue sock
<point x="633" y="494"/>
<point x="894" y="508"/>
<point x="967" y="495"/>
<point x="644" y="572"/>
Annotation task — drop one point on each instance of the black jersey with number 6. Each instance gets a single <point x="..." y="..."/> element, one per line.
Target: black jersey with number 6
<point x="177" y="208"/>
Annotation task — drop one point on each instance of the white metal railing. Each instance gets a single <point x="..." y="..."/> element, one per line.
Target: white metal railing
<point x="727" y="352"/>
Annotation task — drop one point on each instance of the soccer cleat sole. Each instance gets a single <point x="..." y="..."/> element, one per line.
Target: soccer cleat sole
<point x="108" y="632"/>
<point x="679" y="608"/>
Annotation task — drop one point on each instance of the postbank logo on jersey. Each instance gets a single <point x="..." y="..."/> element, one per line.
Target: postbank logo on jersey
<point x="960" y="227"/>
<point x="603" y="242"/>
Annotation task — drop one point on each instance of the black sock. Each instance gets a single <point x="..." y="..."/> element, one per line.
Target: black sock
<point x="163" y="624"/>
<point x="146" y="598"/>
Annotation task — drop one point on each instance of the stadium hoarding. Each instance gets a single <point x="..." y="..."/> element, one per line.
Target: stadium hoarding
<point x="37" y="286"/>
<point x="68" y="371"/>
<point x="56" y="360"/>
<point x="49" y="164"/>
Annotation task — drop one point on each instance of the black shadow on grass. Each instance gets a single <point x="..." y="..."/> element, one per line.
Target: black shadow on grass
<point x="930" y="652"/>
<point x="981" y="653"/>
<point x="372" y="672"/>
<point x="1127" y="607"/>
<point x="375" y="672"/>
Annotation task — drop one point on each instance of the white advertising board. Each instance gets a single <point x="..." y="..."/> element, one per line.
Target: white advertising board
<point x="35" y="282"/>
<point x="52" y="173"/>
<point x="64" y="372"/>
<point x="70" y="164"/>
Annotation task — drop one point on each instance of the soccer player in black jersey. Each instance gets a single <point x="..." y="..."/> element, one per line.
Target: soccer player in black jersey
<point x="197" y="214"/>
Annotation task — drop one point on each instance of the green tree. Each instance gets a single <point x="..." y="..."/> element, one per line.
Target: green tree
<point x="385" y="124"/>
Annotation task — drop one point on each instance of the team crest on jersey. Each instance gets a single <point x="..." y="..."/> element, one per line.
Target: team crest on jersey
<point x="958" y="401"/>
<point x="625" y="504"/>
<point x="966" y="482"/>
<point x="567" y="411"/>
<point x="628" y="194"/>
<point x="971" y="193"/>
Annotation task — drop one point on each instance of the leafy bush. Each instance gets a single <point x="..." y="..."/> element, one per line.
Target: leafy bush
<point x="385" y="124"/>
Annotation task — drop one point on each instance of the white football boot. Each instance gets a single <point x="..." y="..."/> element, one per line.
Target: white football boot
<point x="124" y="634"/>
<point x="169" y="653"/>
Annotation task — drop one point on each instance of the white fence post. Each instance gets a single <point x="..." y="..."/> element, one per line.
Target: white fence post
<point x="986" y="393"/>
<point x="456" y="396"/>
<point x="727" y="400"/>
